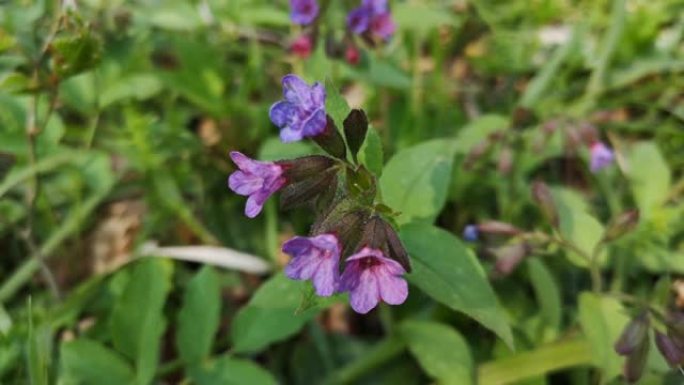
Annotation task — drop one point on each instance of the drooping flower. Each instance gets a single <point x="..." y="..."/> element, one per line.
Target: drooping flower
<point x="370" y="277"/>
<point x="303" y="12"/>
<point x="315" y="258"/>
<point x="302" y="113"/>
<point x="372" y="16"/>
<point x="255" y="179"/>
<point x="601" y="156"/>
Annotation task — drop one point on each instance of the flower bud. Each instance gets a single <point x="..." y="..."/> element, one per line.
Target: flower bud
<point x="352" y="55"/>
<point x="621" y="225"/>
<point x="672" y="353"/>
<point x="471" y="233"/>
<point x="542" y="195"/>
<point x="378" y="234"/>
<point x="330" y="140"/>
<point x="636" y="362"/>
<point x="498" y="228"/>
<point x="302" y="46"/>
<point x="355" y="128"/>
<point x="509" y="257"/>
<point x="634" y="334"/>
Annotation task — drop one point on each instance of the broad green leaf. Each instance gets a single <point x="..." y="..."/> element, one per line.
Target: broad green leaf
<point x="335" y="104"/>
<point x="90" y="363"/>
<point x="448" y="272"/>
<point x="578" y="226"/>
<point x="602" y="321"/>
<point x="649" y="175"/>
<point x="440" y="350"/>
<point x="198" y="319"/>
<point x="415" y="180"/>
<point x="137" y="321"/>
<point x="371" y="154"/>
<point x="271" y="315"/>
<point x="548" y="295"/>
<point x="478" y="130"/>
<point x="228" y="370"/>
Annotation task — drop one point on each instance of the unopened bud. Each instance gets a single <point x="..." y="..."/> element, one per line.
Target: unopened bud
<point x="509" y="257"/>
<point x="636" y="362"/>
<point x="672" y="353"/>
<point x="302" y="46"/>
<point x="621" y="225"/>
<point x="634" y="334"/>
<point x="352" y="55"/>
<point x="331" y="141"/>
<point x="542" y="195"/>
<point x="355" y="129"/>
<point x="471" y="233"/>
<point x="498" y="228"/>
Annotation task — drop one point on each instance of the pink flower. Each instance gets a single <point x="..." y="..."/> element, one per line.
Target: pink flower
<point x="302" y="46"/>
<point x="258" y="180"/>
<point x="370" y="277"/>
<point x="316" y="258"/>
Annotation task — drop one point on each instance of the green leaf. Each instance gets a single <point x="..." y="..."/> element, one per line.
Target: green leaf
<point x="440" y="350"/>
<point x="478" y="130"/>
<point x="274" y="149"/>
<point x="602" y="320"/>
<point x="227" y="370"/>
<point x="649" y="175"/>
<point x="137" y="321"/>
<point x="548" y="295"/>
<point x="37" y="351"/>
<point x="88" y="362"/>
<point x="371" y="154"/>
<point x="138" y="87"/>
<point x="271" y="315"/>
<point x="415" y="180"/>
<point x="335" y="104"/>
<point x="448" y="272"/>
<point x="198" y="319"/>
<point x="578" y="226"/>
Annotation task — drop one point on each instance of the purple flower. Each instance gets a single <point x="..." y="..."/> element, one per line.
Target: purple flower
<point x="303" y="11"/>
<point x="601" y="156"/>
<point x="255" y="179"/>
<point x="302" y="113"/>
<point x="373" y="16"/>
<point x="370" y="277"/>
<point x="470" y="233"/>
<point x="316" y="258"/>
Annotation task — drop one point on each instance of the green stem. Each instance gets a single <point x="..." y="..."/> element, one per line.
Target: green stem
<point x="382" y="353"/>
<point x="535" y="363"/>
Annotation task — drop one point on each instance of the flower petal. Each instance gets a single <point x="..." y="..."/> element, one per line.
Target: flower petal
<point x="366" y="295"/>
<point x="393" y="289"/>
<point x="288" y="134"/>
<point x="326" y="276"/>
<point x="318" y="95"/>
<point x="244" y="184"/>
<point x="255" y="203"/>
<point x="295" y="90"/>
<point x="281" y="113"/>
<point x="358" y="20"/>
<point x="315" y="124"/>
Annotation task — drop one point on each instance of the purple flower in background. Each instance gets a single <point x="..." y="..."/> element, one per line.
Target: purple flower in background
<point x="373" y="16"/>
<point x="370" y="277"/>
<point x="316" y="258"/>
<point x="470" y="233"/>
<point x="255" y="179"/>
<point x="303" y="12"/>
<point x="601" y="156"/>
<point x="302" y="113"/>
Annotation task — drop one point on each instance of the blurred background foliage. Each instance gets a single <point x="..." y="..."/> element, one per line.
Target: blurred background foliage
<point x="115" y="122"/>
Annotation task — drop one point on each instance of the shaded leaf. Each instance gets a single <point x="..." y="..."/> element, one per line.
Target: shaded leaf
<point x="228" y="370"/>
<point x="88" y="362"/>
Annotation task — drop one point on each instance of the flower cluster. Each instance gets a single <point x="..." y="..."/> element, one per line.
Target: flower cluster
<point x="351" y="247"/>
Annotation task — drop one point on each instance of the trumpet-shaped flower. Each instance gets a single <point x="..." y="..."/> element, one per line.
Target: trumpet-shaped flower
<point x="302" y="113"/>
<point x="370" y="277"/>
<point x="303" y="12"/>
<point x="255" y="179"/>
<point x="315" y="258"/>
